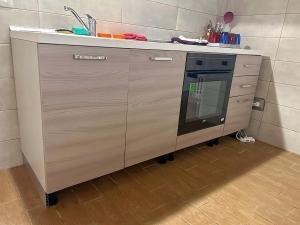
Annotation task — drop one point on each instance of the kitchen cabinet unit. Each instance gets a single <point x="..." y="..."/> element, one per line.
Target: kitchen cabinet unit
<point x="90" y="106"/>
<point x="155" y="83"/>
<point x="78" y="103"/>
<point x="242" y="92"/>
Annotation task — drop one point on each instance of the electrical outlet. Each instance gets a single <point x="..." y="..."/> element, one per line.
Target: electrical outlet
<point x="258" y="104"/>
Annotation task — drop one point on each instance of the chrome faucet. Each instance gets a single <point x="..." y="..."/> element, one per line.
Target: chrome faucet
<point x="91" y="27"/>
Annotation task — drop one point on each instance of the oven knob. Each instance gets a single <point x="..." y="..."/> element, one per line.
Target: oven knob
<point x="222" y="119"/>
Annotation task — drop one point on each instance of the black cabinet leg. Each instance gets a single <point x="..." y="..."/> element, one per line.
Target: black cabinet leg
<point x="171" y="156"/>
<point x="210" y="143"/>
<point x="213" y="142"/>
<point x="51" y="199"/>
<point x="216" y="141"/>
<point x="162" y="159"/>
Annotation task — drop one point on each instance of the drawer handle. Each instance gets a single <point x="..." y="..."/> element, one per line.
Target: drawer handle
<point x="250" y="65"/>
<point x="89" y="57"/>
<point x="161" y="59"/>
<point x="246" y="85"/>
<point x="245" y="100"/>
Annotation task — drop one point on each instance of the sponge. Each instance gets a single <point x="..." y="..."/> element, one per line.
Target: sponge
<point x="80" y="31"/>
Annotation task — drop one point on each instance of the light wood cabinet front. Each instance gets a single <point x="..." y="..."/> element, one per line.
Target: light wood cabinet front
<point x="238" y="113"/>
<point x="244" y="85"/>
<point x="247" y="65"/>
<point x="84" y="104"/>
<point x="155" y="86"/>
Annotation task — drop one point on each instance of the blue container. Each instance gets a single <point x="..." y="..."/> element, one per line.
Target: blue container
<point x="237" y="39"/>
<point x="224" y="38"/>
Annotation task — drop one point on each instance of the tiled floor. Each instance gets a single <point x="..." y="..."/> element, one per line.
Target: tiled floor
<point x="232" y="183"/>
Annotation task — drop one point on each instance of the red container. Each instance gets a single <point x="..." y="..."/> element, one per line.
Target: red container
<point x="214" y="37"/>
<point x="231" y="39"/>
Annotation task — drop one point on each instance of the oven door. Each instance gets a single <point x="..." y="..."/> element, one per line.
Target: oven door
<point x="204" y="100"/>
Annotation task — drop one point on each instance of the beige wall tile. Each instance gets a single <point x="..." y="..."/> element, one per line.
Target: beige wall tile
<point x="7" y="94"/>
<point x="110" y="27"/>
<point x="193" y="21"/>
<point x="205" y="6"/>
<point x="5" y="61"/>
<point x="267" y="45"/>
<point x="285" y="95"/>
<point x="262" y="89"/>
<point x="287" y="73"/>
<point x="8" y="125"/>
<point x="56" y="6"/>
<point x="282" y="116"/>
<point x="258" y="25"/>
<point x="20" y="4"/>
<point x="15" y="17"/>
<point x="168" y="2"/>
<point x="10" y="154"/>
<point x="289" y="50"/>
<point x="266" y="70"/>
<point x="148" y="13"/>
<point x="280" y="137"/>
<point x="246" y="7"/>
<point x="294" y="6"/>
<point x="291" y="26"/>
<point x="57" y="21"/>
<point x="101" y="9"/>
<point x="150" y="32"/>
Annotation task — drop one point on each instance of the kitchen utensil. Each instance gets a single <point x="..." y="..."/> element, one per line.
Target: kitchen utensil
<point x="237" y="39"/>
<point x="231" y="38"/>
<point x="224" y="38"/>
<point x="104" y="35"/>
<point x="228" y="17"/>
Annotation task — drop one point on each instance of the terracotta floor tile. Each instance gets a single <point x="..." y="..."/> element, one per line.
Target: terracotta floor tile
<point x="8" y="191"/>
<point x="14" y="213"/>
<point x="232" y="183"/>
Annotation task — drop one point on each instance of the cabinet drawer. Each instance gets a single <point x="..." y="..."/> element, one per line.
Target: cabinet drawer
<point x="238" y="113"/>
<point x="190" y="139"/>
<point x="155" y="85"/>
<point x="84" y="104"/>
<point x="247" y="65"/>
<point x="243" y="85"/>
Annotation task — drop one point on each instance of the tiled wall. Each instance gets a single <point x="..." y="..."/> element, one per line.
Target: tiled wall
<point x="274" y="27"/>
<point x="158" y="19"/>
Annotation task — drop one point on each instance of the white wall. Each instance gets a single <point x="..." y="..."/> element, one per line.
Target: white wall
<point x="158" y="19"/>
<point x="274" y="27"/>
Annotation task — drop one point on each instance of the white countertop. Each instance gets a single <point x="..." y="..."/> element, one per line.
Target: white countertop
<point x="48" y="37"/>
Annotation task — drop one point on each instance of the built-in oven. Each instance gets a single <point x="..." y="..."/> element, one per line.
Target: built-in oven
<point x="205" y="94"/>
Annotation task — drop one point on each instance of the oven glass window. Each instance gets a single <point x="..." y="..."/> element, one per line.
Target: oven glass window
<point x="205" y="99"/>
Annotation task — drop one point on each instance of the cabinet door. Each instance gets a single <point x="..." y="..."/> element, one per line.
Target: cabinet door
<point x="238" y="113"/>
<point x="84" y="104"/>
<point x="155" y="86"/>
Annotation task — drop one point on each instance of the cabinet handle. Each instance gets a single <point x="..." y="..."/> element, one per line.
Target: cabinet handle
<point x="89" y="57"/>
<point x="250" y="65"/>
<point x="246" y="85"/>
<point x="245" y="100"/>
<point x="161" y="59"/>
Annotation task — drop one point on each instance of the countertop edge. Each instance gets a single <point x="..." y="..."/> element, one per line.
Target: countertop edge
<point x="64" y="39"/>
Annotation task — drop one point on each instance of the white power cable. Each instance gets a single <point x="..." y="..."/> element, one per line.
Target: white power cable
<point x="243" y="137"/>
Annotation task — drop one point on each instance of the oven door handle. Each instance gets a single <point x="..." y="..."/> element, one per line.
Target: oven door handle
<point x="214" y="75"/>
